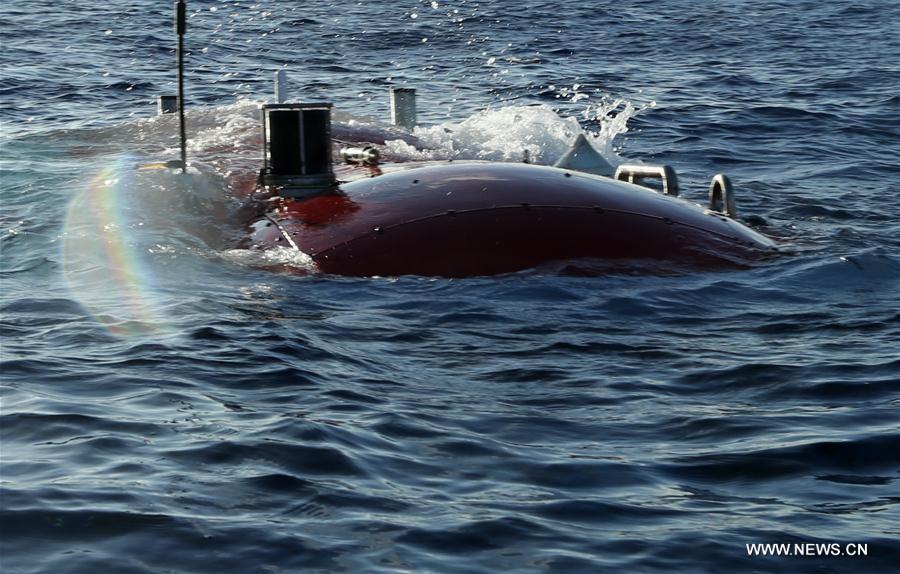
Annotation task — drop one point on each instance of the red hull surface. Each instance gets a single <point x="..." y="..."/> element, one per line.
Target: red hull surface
<point x="470" y="219"/>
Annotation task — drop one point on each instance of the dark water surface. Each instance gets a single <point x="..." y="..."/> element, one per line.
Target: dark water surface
<point x="174" y="403"/>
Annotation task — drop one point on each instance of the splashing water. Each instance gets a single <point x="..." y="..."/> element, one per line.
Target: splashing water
<point x="276" y="259"/>
<point x="505" y="134"/>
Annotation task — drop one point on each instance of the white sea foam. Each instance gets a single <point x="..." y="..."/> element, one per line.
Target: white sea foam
<point x="496" y="134"/>
<point x="275" y="257"/>
<point x="506" y="133"/>
<point x="226" y="139"/>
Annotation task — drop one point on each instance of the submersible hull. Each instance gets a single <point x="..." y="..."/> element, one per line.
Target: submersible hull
<point x="456" y="219"/>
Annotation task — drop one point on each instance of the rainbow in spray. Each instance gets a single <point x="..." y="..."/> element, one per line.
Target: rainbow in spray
<point x="103" y="265"/>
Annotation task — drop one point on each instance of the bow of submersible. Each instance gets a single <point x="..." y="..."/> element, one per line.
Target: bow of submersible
<point x="471" y="218"/>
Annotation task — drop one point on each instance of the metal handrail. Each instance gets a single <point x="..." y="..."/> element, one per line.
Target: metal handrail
<point x="721" y="195"/>
<point x="635" y="173"/>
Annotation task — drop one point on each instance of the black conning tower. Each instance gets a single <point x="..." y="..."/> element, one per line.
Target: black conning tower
<point x="297" y="148"/>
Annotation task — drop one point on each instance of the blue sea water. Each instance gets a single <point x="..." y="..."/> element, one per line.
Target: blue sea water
<point x="172" y="402"/>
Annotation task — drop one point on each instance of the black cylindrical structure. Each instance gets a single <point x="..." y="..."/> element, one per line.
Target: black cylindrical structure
<point x="166" y="104"/>
<point x="297" y="146"/>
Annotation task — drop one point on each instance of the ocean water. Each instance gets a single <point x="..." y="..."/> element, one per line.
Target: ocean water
<point x="173" y="402"/>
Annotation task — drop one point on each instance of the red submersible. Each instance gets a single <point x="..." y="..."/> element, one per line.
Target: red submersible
<point x="472" y="218"/>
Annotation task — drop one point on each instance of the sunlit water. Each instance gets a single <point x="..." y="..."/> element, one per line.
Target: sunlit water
<point x="174" y="402"/>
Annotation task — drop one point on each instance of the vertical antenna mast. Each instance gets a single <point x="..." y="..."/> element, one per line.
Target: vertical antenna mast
<point x="180" y="27"/>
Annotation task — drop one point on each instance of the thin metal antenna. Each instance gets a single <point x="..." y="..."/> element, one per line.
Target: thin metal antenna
<point x="180" y="28"/>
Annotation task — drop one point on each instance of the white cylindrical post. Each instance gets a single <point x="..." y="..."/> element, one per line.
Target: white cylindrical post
<point x="280" y="86"/>
<point x="403" y="107"/>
